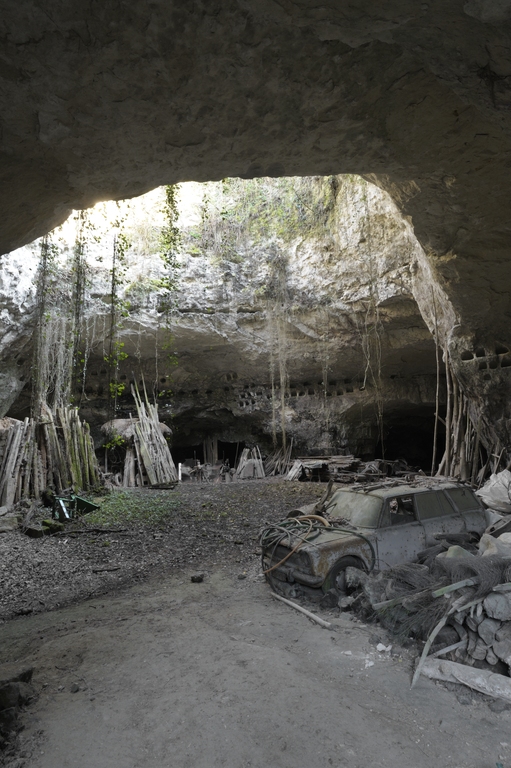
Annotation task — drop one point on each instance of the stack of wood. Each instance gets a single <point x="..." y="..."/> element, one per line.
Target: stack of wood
<point x="152" y="450"/>
<point x="340" y="468"/>
<point x="250" y="464"/>
<point x="278" y="463"/>
<point x="57" y="452"/>
<point x="148" y="460"/>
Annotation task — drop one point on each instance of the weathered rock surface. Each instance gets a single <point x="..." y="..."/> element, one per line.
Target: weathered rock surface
<point x="104" y="101"/>
<point x="329" y="314"/>
<point x="498" y="606"/>
<point x="17" y="309"/>
<point x="329" y="311"/>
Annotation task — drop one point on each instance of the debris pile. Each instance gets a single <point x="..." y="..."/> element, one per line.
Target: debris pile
<point x="346" y="469"/>
<point x="278" y="462"/>
<point x="250" y="464"/>
<point x="457" y="599"/>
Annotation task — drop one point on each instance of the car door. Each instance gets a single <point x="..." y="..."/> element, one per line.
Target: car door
<point x="469" y="508"/>
<point x="400" y="536"/>
<point x="438" y="515"/>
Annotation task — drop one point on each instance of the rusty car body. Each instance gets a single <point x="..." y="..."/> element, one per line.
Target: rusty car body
<point x="368" y="528"/>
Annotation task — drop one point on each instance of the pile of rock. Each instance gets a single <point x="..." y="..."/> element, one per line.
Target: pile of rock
<point x="485" y="629"/>
<point x="458" y="602"/>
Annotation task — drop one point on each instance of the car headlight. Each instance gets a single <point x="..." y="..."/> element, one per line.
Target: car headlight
<point x="302" y="561"/>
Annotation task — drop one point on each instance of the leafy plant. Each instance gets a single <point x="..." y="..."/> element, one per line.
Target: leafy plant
<point x="132" y="507"/>
<point x="116" y="441"/>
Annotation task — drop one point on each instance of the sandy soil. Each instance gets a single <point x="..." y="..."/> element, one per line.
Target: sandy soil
<point x="184" y="675"/>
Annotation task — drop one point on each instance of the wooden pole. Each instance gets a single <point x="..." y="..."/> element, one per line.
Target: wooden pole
<point x="448" y="415"/>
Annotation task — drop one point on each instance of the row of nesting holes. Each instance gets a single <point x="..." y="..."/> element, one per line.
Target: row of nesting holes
<point x="500" y="359"/>
<point x="293" y="393"/>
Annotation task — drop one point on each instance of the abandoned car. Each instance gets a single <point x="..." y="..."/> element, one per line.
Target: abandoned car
<point x="371" y="527"/>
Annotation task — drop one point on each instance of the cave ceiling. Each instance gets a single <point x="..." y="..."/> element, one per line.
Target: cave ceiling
<point x="107" y="100"/>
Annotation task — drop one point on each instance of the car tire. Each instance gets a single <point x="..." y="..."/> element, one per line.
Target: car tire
<point x="336" y="576"/>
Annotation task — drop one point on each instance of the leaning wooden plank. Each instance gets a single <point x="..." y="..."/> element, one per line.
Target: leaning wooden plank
<point x="307" y="613"/>
<point x="429" y="642"/>
<point x="13" y="488"/>
<point x="398" y="600"/>
<point x="295" y="470"/>
<point x="457" y="605"/>
<point x="449" y="648"/>
<point x="61" y="471"/>
<point x="146" y="458"/>
<point x="91" y="456"/>
<point x="454" y="587"/>
<point x="8" y="466"/>
<point x="27" y="473"/>
<point x="481" y="680"/>
<point x="10" y="437"/>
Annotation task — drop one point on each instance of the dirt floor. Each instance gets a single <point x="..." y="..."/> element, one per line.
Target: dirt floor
<point x="185" y="675"/>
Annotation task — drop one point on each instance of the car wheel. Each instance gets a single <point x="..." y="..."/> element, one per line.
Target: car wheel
<point x="336" y="578"/>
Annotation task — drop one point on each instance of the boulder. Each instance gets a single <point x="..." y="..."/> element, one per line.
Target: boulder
<point x="502" y="644"/>
<point x="498" y="606"/>
<point x="487" y="630"/>
<point x="473" y="622"/>
<point x="8" y="523"/>
<point x="480" y="649"/>
<point x="10" y="695"/>
<point x="14" y="673"/>
<point x="53" y="526"/>
<point x="35" y="531"/>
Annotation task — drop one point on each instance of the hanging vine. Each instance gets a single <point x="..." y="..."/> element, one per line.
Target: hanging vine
<point x="277" y="311"/>
<point x="372" y="326"/>
<point x="44" y="369"/>
<point x="119" y="310"/>
<point x="170" y="244"/>
<point x="61" y="284"/>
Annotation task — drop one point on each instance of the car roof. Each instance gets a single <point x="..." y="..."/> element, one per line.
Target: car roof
<point x="401" y="489"/>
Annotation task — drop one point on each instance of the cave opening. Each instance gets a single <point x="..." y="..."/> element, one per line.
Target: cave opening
<point x="226" y="451"/>
<point x="409" y="435"/>
<point x="250" y="329"/>
<point x="189" y="454"/>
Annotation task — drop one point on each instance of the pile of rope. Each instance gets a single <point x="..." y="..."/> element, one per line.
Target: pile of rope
<point x="293" y="532"/>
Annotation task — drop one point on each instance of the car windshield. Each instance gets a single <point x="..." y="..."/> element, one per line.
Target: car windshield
<point x="359" y="509"/>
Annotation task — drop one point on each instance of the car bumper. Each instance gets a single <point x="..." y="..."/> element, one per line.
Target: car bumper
<point x="293" y="575"/>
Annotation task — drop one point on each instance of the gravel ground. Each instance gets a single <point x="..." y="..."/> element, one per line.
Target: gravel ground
<point x="197" y="526"/>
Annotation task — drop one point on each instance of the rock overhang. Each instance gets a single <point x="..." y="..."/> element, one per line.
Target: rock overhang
<point x="107" y="102"/>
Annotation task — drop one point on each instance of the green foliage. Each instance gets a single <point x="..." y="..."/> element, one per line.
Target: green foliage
<point x="117" y="354"/>
<point x="170" y="240"/>
<point x="141" y="288"/>
<point x="116" y="389"/>
<point x="133" y="507"/>
<point x="115" y="442"/>
<point x="119" y="311"/>
<point x="62" y="280"/>
<point x="238" y="213"/>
